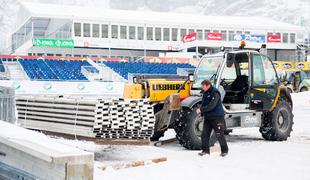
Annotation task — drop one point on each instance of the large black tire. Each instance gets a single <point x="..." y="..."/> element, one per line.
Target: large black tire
<point x="189" y="129"/>
<point x="303" y="89"/>
<point x="278" y="124"/>
<point x="290" y="90"/>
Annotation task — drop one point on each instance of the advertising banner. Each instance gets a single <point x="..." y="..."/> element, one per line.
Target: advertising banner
<point x="259" y="38"/>
<point x="189" y="37"/>
<point x="214" y="36"/>
<point x="114" y="89"/>
<point x="56" y="43"/>
<point x="283" y="65"/>
<point x="274" y="39"/>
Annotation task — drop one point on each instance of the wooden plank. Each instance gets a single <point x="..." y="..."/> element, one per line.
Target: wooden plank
<point x="101" y="141"/>
<point x="138" y="163"/>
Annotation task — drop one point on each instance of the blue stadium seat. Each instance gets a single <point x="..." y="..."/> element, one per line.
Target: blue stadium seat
<point x="54" y="69"/>
<point x="123" y="68"/>
<point x="1" y="66"/>
<point x="91" y="69"/>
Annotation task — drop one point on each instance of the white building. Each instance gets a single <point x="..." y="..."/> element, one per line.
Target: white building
<point x="100" y="32"/>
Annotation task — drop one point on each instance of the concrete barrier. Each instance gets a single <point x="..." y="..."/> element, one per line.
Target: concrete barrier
<point x="35" y="156"/>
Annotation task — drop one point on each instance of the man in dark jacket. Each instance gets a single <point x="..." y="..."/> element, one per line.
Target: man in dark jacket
<point x="213" y="113"/>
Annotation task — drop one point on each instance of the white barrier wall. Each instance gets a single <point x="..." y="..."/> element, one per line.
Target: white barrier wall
<point x="114" y="89"/>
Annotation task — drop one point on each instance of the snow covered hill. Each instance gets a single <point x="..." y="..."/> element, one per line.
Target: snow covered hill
<point x="291" y="11"/>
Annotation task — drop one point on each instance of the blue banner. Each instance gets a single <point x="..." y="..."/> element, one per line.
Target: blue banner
<point x="250" y="37"/>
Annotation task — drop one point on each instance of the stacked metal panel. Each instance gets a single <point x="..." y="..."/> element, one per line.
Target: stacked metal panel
<point x="98" y="118"/>
<point x="7" y="104"/>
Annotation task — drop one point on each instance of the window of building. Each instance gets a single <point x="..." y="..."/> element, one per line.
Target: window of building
<point x="174" y="34"/>
<point x="114" y="31"/>
<point x="77" y="30"/>
<point x="199" y="34"/>
<point x="158" y="34"/>
<point x="123" y="31"/>
<point x="292" y="37"/>
<point x="95" y="30"/>
<point x="231" y="35"/>
<point x="224" y="35"/>
<point x="191" y="31"/>
<point x="285" y="38"/>
<point x="215" y="31"/>
<point x="183" y="33"/>
<point x="206" y="33"/>
<point x="166" y="34"/>
<point x="140" y="33"/>
<point x="149" y="33"/>
<point x="86" y="30"/>
<point x="132" y="32"/>
<point x="105" y="31"/>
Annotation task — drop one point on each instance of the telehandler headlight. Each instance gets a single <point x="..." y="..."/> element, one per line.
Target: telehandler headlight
<point x="191" y="77"/>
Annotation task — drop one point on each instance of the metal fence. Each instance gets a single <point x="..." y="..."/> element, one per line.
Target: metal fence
<point x="7" y="104"/>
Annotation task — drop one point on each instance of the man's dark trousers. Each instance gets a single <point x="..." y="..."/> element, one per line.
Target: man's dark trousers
<point x="218" y="125"/>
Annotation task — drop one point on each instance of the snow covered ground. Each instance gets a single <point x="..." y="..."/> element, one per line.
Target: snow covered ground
<point x="250" y="156"/>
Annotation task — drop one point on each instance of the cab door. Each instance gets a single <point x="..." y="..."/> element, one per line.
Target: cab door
<point x="264" y="88"/>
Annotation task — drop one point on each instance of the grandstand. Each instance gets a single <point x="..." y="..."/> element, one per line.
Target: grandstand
<point x="39" y="69"/>
<point x="54" y="69"/>
<point x="124" y="68"/>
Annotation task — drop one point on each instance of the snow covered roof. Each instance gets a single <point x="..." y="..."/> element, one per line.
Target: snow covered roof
<point x="159" y="18"/>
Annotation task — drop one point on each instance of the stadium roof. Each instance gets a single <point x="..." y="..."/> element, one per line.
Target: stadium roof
<point x="102" y="14"/>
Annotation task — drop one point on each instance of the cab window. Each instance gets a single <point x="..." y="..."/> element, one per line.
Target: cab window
<point x="263" y="71"/>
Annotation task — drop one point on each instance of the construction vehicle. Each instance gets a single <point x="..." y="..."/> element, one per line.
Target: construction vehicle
<point x="251" y="92"/>
<point x="302" y="72"/>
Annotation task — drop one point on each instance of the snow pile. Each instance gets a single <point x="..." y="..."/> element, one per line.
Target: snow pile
<point x="301" y="101"/>
<point x="26" y="137"/>
<point x="251" y="157"/>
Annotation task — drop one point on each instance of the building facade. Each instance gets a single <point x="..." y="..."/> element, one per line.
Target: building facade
<point x="53" y="30"/>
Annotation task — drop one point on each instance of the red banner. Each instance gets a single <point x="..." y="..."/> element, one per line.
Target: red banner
<point x="189" y="37"/>
<point x="274" y="38"/>
<point x="214" y="36"/>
